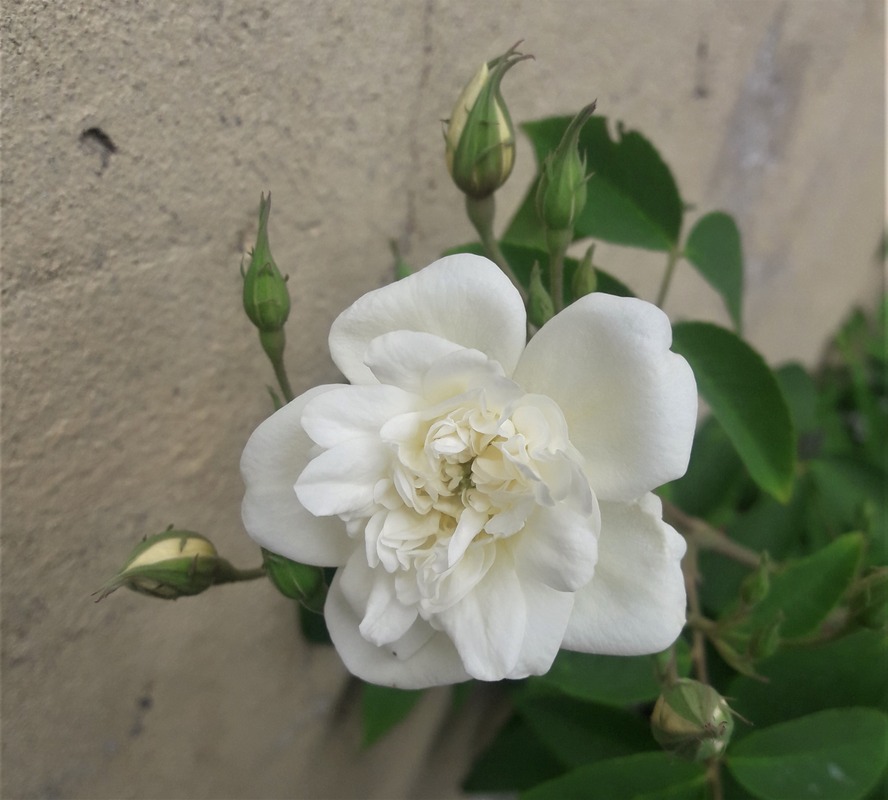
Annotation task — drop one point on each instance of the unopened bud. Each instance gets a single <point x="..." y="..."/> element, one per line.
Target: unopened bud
<point x="585" y="279"/>
<point x="297" y="581"/>
<point x="757" y="584"/>
<point x="169" y="565"/>
<point x="561" y="193"/>
<point x="480" y="139"/>
<point x="692" y="720"/>
<point x="868" y="601"/>
<point x="266" y="298"/>
<point x="764" y="641"/>
<point x="540" y="308"/>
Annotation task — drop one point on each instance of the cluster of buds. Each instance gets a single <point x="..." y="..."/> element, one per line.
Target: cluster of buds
<point x="479" y="137"/>
<point x="692" y="720"/>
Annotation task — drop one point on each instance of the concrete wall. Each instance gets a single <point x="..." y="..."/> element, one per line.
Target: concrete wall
<point x="131" y="379"/>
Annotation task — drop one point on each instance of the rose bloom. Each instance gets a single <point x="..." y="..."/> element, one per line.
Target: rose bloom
<point x="486" y="501"/>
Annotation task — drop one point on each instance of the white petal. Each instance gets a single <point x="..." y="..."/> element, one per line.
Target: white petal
<point x="548" y="612"/>
<point x="630" y="403"/>
<point x="385" y="618"/>
<point x="488" y="624"/>
<point x="350" y="412"/>
<point x="422" y="657"/>
<point x="275" y="455"/>
<point x="635" y="603"/>
<point x="558" y="547"/>
<point x="463" y="298"/>
<point x="401" y="358"/>
<point x="342" y="480"/>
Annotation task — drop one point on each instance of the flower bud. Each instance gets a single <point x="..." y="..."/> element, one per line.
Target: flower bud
<point x="756" y="585"/>
<point x="169" y="565"/>
<point x="764" y="641"/>
<point x="585" y="279"/>
<point x="297" y="581"/>
<point x="561" y="192"/>
<point x="480" y="139"/>
<point x="692" y="720"/>
<point x="868" y="601"/>
<point x="266" y="299"/>
<point x="540" y="308"/>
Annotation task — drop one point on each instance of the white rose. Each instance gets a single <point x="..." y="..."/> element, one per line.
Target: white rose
<point x="486" y="502"/>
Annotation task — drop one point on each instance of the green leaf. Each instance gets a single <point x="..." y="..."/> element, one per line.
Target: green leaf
<point x="636" y="777"/>
<point x="383" y="707"/>
<point x="838" y="754"/>
<point x="746" y="399"/>
<point x="713" y="247"/>
<point x="632" y="198"/>
<point x="807" y="590"/>
<point x="846" y="672"/>
<point x="515" y="760"/>
<point x="580" y="733"/>
<point x="847" y="491"/>
<point x="609" y="680"/>
<point x="715" y="478"/>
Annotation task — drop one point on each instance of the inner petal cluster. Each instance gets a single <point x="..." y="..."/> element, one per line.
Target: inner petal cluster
<point x="459" y="477"/>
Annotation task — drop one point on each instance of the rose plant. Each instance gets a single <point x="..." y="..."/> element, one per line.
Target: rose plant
<point x="478" y="500"/>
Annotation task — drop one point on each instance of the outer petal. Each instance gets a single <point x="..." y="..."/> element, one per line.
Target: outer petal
<point x="463" y="298"/>
<point x="488" y="624"/>
<point x="400" y="664"/>
<point x="275" y="455"/>
<point x="558" y="547"/>
<point x="402" y="358"/>
<point x="350" y="412"/>
<point x="630" y="403"/>
<point x="635" y="603"/>
<point x="548" y="613"/>
<point x="343" y="479"/>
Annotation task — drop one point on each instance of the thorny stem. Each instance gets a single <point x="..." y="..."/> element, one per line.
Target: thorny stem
<point x="481" y="214"/>
<point x="672" y="260"/>
<point x="713" y="778"/>
<point x="705" y="537"/>
<point x="698" y="638"/>
<point x="230" y="574"/>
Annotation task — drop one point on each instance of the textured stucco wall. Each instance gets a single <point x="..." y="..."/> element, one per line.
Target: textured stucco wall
<point x="131" y="380"/>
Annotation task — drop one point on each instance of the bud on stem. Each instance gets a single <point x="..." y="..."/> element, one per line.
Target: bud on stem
<point x="175" y="564"/>
<point x="692" y="720"/>
<point x="480" y="139"/>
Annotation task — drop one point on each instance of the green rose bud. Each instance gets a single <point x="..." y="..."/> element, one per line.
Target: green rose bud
<point x="585" y="279"/>
<point x="692" y="720"/>
<point x="561" y="193"/>
<point x="480" y="139"/>
<point x="297" y="581"/>
<point x="266" y="299"/>
<point x="169" y="565"/>
<point x="756" y="585"/>
<point x="764" y="641"/>
<point x="868" y="600"/>
<point x="540" y="308"/>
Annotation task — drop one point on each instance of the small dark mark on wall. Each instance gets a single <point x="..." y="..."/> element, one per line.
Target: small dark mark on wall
<point x="95" y="140"/>
<point x="701" y="84"/>
<point x="143" y="705"/>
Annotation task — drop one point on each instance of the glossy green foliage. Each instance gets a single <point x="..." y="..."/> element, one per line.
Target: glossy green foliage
<point x="745" y="398"/>
<point x="839" y="754"/>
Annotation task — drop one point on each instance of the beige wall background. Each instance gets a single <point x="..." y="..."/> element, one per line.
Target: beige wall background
<point x="131" y="379"/>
